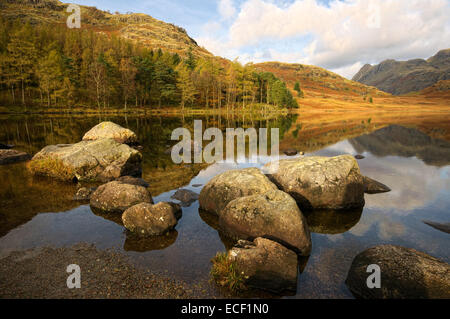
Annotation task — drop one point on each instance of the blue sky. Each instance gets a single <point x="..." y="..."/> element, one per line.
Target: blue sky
<point x="338" y="35"/>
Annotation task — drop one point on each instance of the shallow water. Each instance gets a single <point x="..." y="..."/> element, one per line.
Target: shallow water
<point x="39" y="212"/>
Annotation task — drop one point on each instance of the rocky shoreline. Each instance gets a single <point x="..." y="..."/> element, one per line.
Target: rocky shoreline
<point x="263" y="214"/>
<point x="41" y="273"/>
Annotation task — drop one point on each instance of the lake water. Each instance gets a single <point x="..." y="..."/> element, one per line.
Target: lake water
<point x="38" y="212"/>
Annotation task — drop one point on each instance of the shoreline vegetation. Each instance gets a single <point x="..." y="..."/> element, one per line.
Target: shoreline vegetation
<point x="51" y="65"/>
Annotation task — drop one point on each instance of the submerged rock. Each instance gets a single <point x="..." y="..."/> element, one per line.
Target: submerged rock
<point x="320" y="182"/>
<point x="373" y="187"/>
<point x="405" y="274"/>
<point x="273" y="215"/>
<point x="233" y="184"/>
<point x="8" y="156"/>
<point x="103" y="160"/>
<point x="151" y="220"/>
<point x="442" y="227"/>
<point x="116" y="197"/>
<point x="112" y="131"/>
<point x="133" y="181"/>
<point x="265" y="264"/>
<point x="84" y="194"/>
<point x="185" y="196"/>
<point x="290" y="152"/>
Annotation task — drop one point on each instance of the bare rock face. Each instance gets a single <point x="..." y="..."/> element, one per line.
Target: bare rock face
<point x="151" y="220"/>
<point x="8" y="156"/>
<point x="112" y="131"/>
<point x="102" y="160"/>
<point x="274" y="215"/>
<point x="405" y="274"/>
<point x="266" y="264"/>
<point x="231" y="185"/>
<point x="320" y="182"/>
<point x="116" y="197"/>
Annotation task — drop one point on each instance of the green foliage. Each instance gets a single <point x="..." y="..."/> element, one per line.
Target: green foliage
<point x="51" y="65"/>
<point x="225" y="273"/>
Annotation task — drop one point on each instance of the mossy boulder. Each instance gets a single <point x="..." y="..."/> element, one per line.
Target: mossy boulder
<point x="102" y="160"/>
<point x="116" y="197"/>
<point x="224" y="188"/>
<point x="113" y="131"/>
<point x="273" y="215"/>
<point x="405" y="274"/>
<point x="320" y="182"/>
<point x="151" y="220"/>
<point x="265" y="264"/>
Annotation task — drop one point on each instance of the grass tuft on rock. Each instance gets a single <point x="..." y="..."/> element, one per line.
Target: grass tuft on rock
<point x="52" y="167"/>
<point x="225" y="273"/>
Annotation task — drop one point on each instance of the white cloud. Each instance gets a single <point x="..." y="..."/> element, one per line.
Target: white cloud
<point x="226" y="9"/>
<point x="343" y="35"/>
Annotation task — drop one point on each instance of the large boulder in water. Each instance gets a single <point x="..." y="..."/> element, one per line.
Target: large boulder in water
<point x="112" y="131"/>
<point x="151" y="220"/>
<point x="273" y="215"/>
<point x="320" y="182"/>
<point x="231" y="185"/>
<point x="405" y="274"/>
<point x="116" y="197"/>
<point x="266" y="264"/>
<point x="103" y="160"/>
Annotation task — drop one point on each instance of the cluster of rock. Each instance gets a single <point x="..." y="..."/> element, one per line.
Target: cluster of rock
<point x="264" y="212"/>
<point x="100" y="157"/>
<point x="105" y="155"/>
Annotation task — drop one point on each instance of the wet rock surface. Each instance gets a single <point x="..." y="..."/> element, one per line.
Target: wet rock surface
<point x="110" y="130"/>
<point x="274" y="215"/>
<point x="266" y="264"/>
<point x="320" y="182"/>
<point x="290" y="152"/>
<point x="84" y="194"/>
<point x="374" y="187"/>
<point x="151" y="220"/>
<point x="443" y="227"/>
<point x="116" y="197"/>
<point x="102" y="160"/>
<point x="8" y="156"/>
<point x="185" y="196"/>
<point x="405" y="274"/>
<point x="222" y="189"/>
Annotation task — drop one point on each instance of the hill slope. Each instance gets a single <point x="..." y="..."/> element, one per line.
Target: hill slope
<point x="315" y="81"/>
<point x="137" y="27"/>
<point x="401" y="77"/>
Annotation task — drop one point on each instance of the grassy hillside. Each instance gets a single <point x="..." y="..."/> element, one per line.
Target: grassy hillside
<point x="137" y="27"/>
<point x="315" y="81"/>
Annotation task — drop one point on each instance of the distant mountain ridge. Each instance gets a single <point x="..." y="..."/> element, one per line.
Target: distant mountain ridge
<point x="402" y="77"/>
